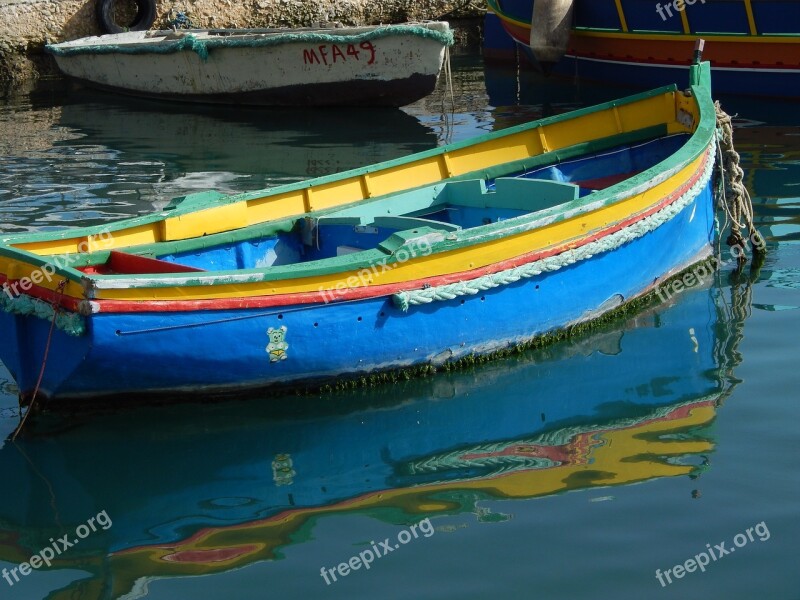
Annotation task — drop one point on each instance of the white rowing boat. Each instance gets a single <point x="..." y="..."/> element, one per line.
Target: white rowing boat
<point x="389" y="65"/>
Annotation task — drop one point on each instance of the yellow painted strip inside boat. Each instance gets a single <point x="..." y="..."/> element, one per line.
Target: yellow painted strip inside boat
<point x="134" y="236"/>
<point x="17" y="269"/>
<point x="459" y="161"/>
<point x="456" y="261"/>
<point x="276" y="207"/>
<point x="685" y="22"/>
<point x="526" y="144"/>
<point x="751" y="20"/>
<point x="622" y="21"/>
<point x="205" y="222"/>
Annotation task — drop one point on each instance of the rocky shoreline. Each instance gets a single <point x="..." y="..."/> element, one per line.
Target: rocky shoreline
<point x="30" y="24"/>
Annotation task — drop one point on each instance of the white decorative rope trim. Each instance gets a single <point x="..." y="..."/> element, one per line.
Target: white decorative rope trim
<point x="25" y="305"/>
<point x="553" y="263"/>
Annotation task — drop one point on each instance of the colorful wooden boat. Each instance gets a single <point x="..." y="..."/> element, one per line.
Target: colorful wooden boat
<point x="389" y="65"/>
<point x="753" y="45"/>
<point x="463" y="250"/>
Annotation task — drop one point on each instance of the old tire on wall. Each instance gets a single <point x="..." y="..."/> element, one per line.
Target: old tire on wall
<point x="145" y="15"/>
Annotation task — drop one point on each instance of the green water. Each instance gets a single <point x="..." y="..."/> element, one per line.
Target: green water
<point x="576" y="471"/>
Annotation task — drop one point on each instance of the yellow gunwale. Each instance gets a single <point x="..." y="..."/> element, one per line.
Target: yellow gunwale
<point x="326" y="194"/>
<point x="460" y="260"/>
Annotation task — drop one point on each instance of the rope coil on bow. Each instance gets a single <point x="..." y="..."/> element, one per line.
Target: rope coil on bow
<point x="734" y="197"/>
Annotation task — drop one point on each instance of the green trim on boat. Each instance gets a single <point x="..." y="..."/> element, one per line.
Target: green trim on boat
<point x="180" y="209"/>
<point x="440" y="240"/>
<point x="202" y="46"/>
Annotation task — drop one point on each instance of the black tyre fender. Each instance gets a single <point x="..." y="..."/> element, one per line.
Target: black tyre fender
<point x="145" y="15"/>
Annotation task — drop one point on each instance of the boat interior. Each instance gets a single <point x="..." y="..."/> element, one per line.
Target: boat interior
<point x="444" y="208"/>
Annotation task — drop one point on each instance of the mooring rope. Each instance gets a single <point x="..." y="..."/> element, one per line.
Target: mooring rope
<point x="23" y="304"/>
<point x="62" y="284"/>
<point x="738" y="205"/>
<point x="448" y="117"/>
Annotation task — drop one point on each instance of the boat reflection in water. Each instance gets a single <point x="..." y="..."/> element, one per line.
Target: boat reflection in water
<point x="290" y="143"/>
<point x="206" y="488"/>
<point x="114" y="157"/>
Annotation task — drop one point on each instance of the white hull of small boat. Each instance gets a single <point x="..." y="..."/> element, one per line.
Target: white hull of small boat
<point x="383" y="65"/>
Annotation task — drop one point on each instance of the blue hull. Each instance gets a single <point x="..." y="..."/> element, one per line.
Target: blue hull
<point x="116" y="356"/>
<point x="767" y="82"/>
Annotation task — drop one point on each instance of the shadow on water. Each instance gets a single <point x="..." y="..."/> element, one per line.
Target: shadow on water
<point x="221" y="486"/>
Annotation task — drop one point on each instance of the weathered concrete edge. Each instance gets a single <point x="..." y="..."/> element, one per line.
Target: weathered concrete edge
<point x="30" y="24"/>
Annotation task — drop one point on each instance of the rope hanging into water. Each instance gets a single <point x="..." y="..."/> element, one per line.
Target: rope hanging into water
<point x="734" y="198"/>
<point x="62" y="284"/>
<point x="448" y="117"/>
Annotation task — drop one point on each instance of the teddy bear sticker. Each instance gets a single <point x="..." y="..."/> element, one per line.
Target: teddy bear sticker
<point x="277" y="346"/>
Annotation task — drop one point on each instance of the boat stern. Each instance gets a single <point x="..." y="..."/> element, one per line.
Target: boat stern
<point x="40" y="350"/>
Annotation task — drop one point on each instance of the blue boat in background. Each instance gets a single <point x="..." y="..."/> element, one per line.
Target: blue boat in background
<point x="753" y="45"/>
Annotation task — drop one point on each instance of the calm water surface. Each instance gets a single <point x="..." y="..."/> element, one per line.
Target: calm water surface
<point x="571" y="472"/>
